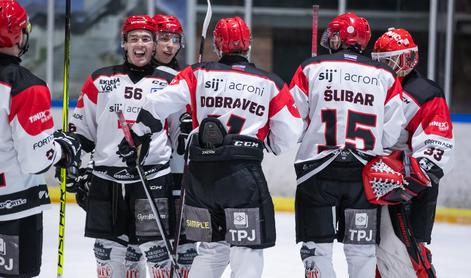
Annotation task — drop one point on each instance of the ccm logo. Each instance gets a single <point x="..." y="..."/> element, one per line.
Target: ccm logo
<point x="246" y="144"/>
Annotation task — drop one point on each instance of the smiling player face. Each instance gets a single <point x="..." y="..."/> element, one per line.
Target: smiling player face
<point x="140" y="47"/>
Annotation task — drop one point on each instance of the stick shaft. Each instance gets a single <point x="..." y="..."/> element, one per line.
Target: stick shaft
<point x="65" y="121"/>
<point x="158" y="219"/>
<point x="204" y="30"/>
<point x="315" y="19"/>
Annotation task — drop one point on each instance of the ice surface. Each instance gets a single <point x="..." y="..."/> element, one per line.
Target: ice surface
<point x="451" y="248"/>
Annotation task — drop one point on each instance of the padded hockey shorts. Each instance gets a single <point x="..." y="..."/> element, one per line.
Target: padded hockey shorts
<point x="21" y="242"/>
<point x="227" y="195"/>
<point x="116" y="209"/>
<point x="334" y="196"/>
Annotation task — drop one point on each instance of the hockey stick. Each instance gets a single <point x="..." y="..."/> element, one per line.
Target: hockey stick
<point x="182" y="201"/>
<point x="415" y="246"/>
<point x="315" y="17"/>
<point x="402" y="228"/>
<point x="65" y="120"/>
<point x="145" y="185"/>
<point x="207" y="19"/>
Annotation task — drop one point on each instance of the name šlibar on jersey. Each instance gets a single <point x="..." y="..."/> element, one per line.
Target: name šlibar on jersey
<point x="233" y="103"/>
<point x="348" y="96"/>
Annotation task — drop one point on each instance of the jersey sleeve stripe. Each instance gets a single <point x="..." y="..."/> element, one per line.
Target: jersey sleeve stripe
<point x="395" y="90"/>
<point x="263" y="132"/>
<point x="300" y="80"/>
<point x="189" y="76"/>
<point x="89" y="89"/>
<point x="32" y="108"/>
<point x="282" y="99"/>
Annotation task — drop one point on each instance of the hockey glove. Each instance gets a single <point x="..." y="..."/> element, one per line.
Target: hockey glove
<point x="81" y="186"/>
<point x="71" y="152"/>
<point x="130" y="154"/>
<point x="186" y="126"/>
<point x="416" y="179"/>
<point x="387" y="180"/>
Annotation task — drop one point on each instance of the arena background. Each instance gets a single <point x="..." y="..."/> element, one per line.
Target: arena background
<point x="281" y="40"/>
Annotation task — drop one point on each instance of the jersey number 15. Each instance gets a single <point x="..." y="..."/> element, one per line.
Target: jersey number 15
<point x="358" y="127"/>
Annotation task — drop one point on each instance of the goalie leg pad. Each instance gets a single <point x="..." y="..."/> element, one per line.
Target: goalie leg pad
<point x="395" y="258"/>
<point x="317" y="259"/>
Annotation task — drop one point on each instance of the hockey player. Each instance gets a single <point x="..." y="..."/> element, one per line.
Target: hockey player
<point x="236" y="108"/>
<point x="352" y="111"/>
<point x="170" y="40"/>
<point x="427" y="137"/>
<point x="28" y="148"/>
<point x="118" y="212"/>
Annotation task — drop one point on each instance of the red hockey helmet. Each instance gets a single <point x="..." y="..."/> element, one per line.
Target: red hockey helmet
<point x="13" y="23"/>
<point x="351" y="29"/>
<point x="397" y="49"/>
<point x="137" y="22"/>
<point x="231" y="35"/>
<point x="168" y="24"/>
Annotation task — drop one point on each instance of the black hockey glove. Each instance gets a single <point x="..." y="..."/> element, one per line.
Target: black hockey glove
<point x="186" y="126"/>
<point x="130" y="154"/>
<point x="71" y="151"/>
<point x="81" y="186"/>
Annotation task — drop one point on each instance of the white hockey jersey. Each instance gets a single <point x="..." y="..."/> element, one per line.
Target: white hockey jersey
<point x="429" y="131"/>
<point x="106" y="91"/>
<point x="177" y="160"/>
<point x="247" y="100"/>
<point x="347" y="101"/>
<point x="27" y="148"/>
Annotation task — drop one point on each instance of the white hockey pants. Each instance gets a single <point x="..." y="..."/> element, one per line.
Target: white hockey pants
<point x="360" y="258"/>
<point x="213" y="258"/>
<point x="115" y="260"/>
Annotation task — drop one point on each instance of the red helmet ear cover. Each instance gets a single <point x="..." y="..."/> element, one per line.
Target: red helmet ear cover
<point x="137" y="22"/>
<point x="231" y="35"/>
<point x="168" y="23"/>
<point x="353" y="30"/>
<point x="13" y="20"/>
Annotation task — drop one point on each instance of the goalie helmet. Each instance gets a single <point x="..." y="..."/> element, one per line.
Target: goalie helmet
<point x="231" y="35"/>
<point x="348" y="30"/>
<point x="397" y="49"/>
<point x="14" y="24"/>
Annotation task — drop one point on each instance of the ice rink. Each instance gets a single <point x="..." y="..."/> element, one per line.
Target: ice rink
<point x="451" y="249"/>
